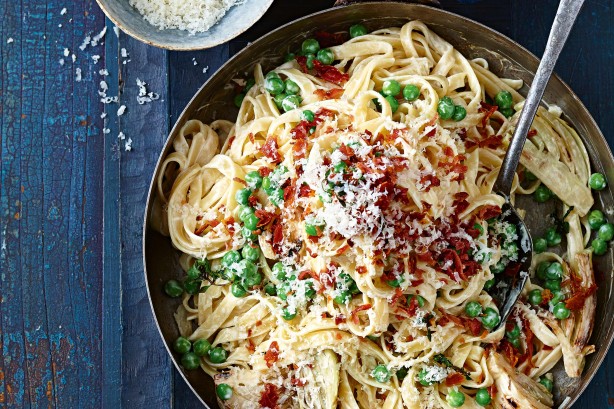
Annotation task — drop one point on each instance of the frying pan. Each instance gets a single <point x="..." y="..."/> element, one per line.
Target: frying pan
<point x="506" y="59"/>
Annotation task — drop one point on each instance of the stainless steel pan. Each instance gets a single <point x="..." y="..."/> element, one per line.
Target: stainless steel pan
<point x="506" y="58"/>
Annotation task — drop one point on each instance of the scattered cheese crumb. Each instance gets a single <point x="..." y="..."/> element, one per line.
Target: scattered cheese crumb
<point x="121" y="110"/>
<point x="60" y="25"/>
<point x="74" y="58"/>
<point x="145" y="96"/>
<point x="98" y="37"/>
<point x="106" y="131"/>
<point x="78" y="74"/>
<point x="9" y="40"/>
<point x="116" y="31"/>
<point x="121" y="136"/>
<point x="128" y="145"/>
<point x="103" y="115"/>
<point x="95" y="58"/>
<point x="66" y="52"/>
<point x="103" y="72"/>
<point x="61" y="61"/>
<point x="63" y="11"/>
<point x="205" y="69"/>
<point x="124" y="53"/>
<point x="85" y="43"/>
<point x="194" y="61"/>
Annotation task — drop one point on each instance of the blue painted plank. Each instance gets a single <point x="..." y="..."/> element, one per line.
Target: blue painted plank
<point x="145" y="366"/>
<point x="12" y="366"/>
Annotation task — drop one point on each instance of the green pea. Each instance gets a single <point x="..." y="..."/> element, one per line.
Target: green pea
<point x="381" y="374"/>
<point x="289" y="57"/>
<point x="445" y="108"/>
<point x="218" y="355"/>
<point x="277" y="196"/>
<point x="291" y="102"/>
<point x="547" y="383"/>
<point x="192" y="287"/>
<point x="246" y="268"/>
<point x="292" y="87"/>
<point x="396" y="283"/>
<point x="173" y="289"/>
<point x="478" y="226"/>
<point x="401" y="373"/>
<point x="230" y="258"/>
<point x="287" y="314"/>
<point x="202" y="265"/>
<point x="541" y="270"/>
<point x="391" y="88"/>
<point x="357" y="30"/>
<point x="606" y="232"/>
<point x="419" y="299"/>
<point x="411" y="92"/>
<point x="190" y="361"/>
<point x="249" y="84"/>
<point x="308" y="116"/>
<point x="504" y="99"/>
<point x="599" y="247"/>
<point x="202" y="347"/>
<point x="248" y="234"/>
<point x="253" y="279"/>
<point x="310" y="292"/>
<point x="422" y="378"/>
<point x="274" y="85"/>
<point x="511" y="248"/>
<point x="283" y="291"/>
<point x="310" y="46"/>
<point x="223" y="391"/>
<point x="529" y="176"/>
<point x="553" y="285"/>
<point x="597" y="181"/>
<point x="238" y="290"/>
<point x="242" y="196"/>
<point x="489" y="283"/>
<point x="310" y="59"/>
<point x="482" y="397"/>
<point x="473" y="309"/>
<point x="278" y="99"/>
<point x="325" y="56"/>
<point x="343" y="298"/>
<point x="266" y="183"/>
<point x="238" y="100"/>
<point x="279" y="271"/>
<point x="394" y="104"/>
<point x="535" y="297"/>
<point x="542" y="194"/>
<point x="515" y="342"/>
<point x="270" y="289"/>
<point x="245" y="212"/>
<point x="514" y="332"/>
<point x="596" y="219"/>
<point x="556" y="298"/>
<point x="560" y="311"/>
<point x="490" y="319"/>
<point x="540" y="245"/>
<point x="182" y="345"/>
<point x="459" y="113"/>
<point x="251" y="222"/>
<point x="311" y="230"/>
<point x="553" y="237"/>
<point x="253" y="179"/>
<point x="455" y="398"/>
<point x="510" y="230"/>
<point x="499" y="267"/>
<point x="554" y="271"/>
<point x="507" y="112"/>
<point x="271" y="74"/>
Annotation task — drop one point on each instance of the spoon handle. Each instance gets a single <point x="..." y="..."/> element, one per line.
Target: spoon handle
<point x="563" y="22"/>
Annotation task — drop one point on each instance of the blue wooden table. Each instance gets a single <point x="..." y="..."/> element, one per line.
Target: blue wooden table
<point x="76" y="329"/>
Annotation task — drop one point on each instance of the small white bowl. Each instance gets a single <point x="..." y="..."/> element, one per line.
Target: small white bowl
<point x="238" y="19"/>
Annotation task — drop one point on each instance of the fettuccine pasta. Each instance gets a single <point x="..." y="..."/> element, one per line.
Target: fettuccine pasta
<point x="340" y="237"/>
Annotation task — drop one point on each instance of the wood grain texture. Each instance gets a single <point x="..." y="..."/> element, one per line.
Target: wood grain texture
<point x="76" y="329"/>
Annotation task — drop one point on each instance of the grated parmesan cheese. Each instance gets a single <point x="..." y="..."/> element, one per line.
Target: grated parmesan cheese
<point x="121" y="110"/>
<point x="128" y="145"/>
<point x="9" y="40"/>
<point x="63" y="11"/>
<point x="193" y="16"/>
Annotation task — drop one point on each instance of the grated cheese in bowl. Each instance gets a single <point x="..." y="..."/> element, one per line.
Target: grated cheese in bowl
<point x="192" y="15"/>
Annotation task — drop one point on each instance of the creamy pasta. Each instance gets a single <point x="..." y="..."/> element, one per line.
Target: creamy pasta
<point x="340" y="237"/>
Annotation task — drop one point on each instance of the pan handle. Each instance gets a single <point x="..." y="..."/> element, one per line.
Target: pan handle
<point x="434" y="3"/>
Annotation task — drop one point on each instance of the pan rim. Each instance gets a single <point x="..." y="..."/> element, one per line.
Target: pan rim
<point x="599" y="356"/>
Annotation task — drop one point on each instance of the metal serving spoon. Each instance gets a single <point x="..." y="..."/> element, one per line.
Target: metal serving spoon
<point x="563" y="22"/>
